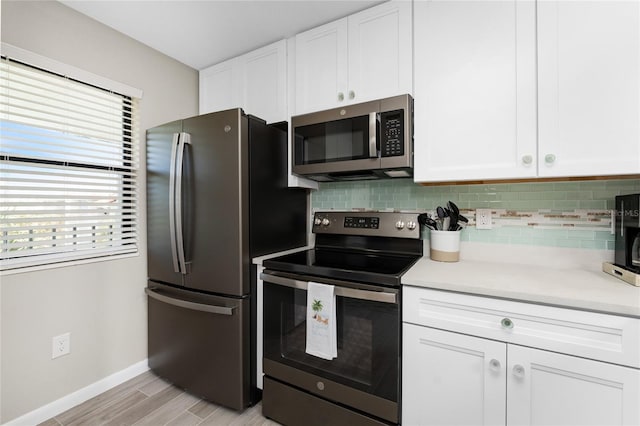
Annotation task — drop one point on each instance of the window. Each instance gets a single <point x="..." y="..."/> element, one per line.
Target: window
<point x="68" y="164"/>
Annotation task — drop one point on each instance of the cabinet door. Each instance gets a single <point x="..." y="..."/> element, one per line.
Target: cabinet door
<point x="475" y="90"/>
<point x="380" y="52"/>
<point x="220" y="87"/>
<point x="451" y="379"/>
<point x="264" y="90"/>
<point x="321" y="67"/>
<point x="546" y="388"/>
<point x="589" y="87"/>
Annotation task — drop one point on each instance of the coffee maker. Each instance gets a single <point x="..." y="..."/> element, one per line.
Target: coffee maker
<point x="627" y="232"/>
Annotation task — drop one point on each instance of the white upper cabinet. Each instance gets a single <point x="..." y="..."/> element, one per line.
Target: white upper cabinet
<point x="588" y="87"/>
<point x="256" y="82"/>
<point x="475" y="90"/>
<point x="321" y="67"/>
<point x="264" y="88"/>
<point x="365" y="56"/>
<point x="219" y="87"/>
<point x="521" y="89"/>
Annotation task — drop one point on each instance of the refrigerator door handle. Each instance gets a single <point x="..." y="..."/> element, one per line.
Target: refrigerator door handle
<point x="184" y="140"/>
<point x="213" y="309"/>
<point x="172" y="204"/>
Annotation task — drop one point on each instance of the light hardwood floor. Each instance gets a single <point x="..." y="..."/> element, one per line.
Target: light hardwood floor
<point x="149" y="400"/>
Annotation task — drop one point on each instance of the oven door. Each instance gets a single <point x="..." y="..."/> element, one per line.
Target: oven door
<point x="365" y="374"/>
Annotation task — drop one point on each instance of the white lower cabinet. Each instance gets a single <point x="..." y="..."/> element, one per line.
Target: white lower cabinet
<point x="546" y="388"/>
<point x="452" y="378"/>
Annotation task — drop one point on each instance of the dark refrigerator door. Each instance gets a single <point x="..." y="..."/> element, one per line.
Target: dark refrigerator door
<point x="159" y="144"/>
<point x="200" y="343"/>
<point x="278" y="213"/>
<point x="215" y="216"/>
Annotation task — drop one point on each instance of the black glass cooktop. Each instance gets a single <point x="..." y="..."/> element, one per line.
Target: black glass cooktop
<point x="383" y="269"/>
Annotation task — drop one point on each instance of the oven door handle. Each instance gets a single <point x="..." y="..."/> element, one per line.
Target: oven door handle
<point x="352" y="293"/>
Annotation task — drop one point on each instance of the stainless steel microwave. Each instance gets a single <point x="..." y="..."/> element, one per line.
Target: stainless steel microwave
<point x="370" y="140"/>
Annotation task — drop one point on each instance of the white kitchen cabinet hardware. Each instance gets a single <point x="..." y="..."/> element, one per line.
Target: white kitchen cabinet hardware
<point x="506" y="323"/>
<point x="495" y="365"/>
<point x="461" y="367"/>
<point x="365" y="56"/>
<point x="255" y="81"/>
<point x="518" y="371"/>
<point x="549" y="158"/>
<point x="503" y="81"/>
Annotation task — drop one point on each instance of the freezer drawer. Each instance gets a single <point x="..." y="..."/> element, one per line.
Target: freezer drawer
<point x="195" y="342"/>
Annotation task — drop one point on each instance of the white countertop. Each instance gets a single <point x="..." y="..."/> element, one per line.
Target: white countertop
<point x="258" y="260"/>
<point x="568" y="285"/>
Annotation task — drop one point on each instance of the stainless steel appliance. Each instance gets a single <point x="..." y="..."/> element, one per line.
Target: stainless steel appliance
<point x="370" y="140"/>
<point x="216" y="197"/>
<point x="363" y="254"/>
<point x="627" y="229"/>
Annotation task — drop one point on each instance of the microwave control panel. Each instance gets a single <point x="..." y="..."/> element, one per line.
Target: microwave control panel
<point x="392" y="133"/>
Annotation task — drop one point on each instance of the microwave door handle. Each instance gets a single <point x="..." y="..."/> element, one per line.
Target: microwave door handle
<point x="373" y="130"/>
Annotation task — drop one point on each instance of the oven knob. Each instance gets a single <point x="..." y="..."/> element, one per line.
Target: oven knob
<point x="411" y="225"/>
<point x="317" y="221"/>
<point x="325" y="222"/>
<point x="399" y="224"/>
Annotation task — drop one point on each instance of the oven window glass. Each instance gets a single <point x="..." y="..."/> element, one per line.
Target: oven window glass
<point x="368" y="340"/>
<point x="339" y="140"/>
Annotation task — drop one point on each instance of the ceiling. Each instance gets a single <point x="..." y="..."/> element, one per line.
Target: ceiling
<point x="205" y="32"/>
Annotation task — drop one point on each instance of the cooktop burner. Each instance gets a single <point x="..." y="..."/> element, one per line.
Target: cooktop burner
<point x="370" y="247"/>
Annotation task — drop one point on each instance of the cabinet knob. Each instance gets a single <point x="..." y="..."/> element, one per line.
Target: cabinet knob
<point x="549" y="158"/>
<point x="494" y="365"/>
<point x="506" y="323"/>
<point x="518" y="371"/>
<point x="340" y="96"/>
<point x="527" y="159"/>
<point x="352" y="94"/>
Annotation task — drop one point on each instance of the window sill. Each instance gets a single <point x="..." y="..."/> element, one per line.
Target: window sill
<point x="67" y="264"/>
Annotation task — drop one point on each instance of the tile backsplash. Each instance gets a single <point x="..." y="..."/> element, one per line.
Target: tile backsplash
<point x="558" y="214"/>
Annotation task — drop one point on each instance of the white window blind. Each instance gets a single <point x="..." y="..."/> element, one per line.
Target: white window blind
<point x="68" y="169"/>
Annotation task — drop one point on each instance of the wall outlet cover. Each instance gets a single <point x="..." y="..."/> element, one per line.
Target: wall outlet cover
<point x="483" y="219"/>
<point x="61" y="345"/>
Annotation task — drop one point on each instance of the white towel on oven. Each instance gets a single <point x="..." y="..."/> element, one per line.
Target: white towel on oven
<point x="322" y="338"/>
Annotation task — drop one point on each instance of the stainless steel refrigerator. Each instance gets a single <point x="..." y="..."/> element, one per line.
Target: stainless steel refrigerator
<point x="217" y="196"/>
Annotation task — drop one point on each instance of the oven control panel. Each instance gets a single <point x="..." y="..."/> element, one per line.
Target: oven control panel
<point x="365" y="222"/>
<point x="382" y="224"/>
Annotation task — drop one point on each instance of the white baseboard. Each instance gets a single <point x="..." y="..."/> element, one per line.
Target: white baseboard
<point x="61" y="405"/>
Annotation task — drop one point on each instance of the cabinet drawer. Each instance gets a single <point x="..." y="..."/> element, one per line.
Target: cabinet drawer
<point x="604" y="337"/>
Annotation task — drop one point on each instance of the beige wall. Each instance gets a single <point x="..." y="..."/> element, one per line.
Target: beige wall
<point x="102" y="304"/>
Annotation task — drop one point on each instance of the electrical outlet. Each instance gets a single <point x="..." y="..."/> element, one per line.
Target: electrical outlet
<point x="61" y="345"/>
<point x="483" y="218"/>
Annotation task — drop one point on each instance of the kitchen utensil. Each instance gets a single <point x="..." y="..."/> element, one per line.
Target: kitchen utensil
<point x="453" y="223"/>
<point x="425" y="219"/>
<point x="441" y="215"/>
<point x="462" y="221"/>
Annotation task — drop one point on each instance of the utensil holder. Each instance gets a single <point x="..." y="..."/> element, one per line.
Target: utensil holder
<point x="444" y="245"/>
